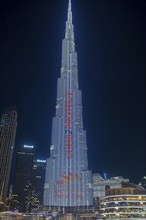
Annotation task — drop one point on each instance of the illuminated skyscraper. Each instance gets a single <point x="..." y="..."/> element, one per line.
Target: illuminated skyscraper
<point x="22" y="187"/>
<point x="38" y="178"/>
<point x="68" y="181"/>
<point x="8" y="125"/>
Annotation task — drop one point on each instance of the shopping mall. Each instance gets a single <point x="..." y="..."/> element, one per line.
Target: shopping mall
<point x="123" y="203"/>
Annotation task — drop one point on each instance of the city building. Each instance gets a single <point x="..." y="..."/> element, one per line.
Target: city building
<point x="128" y="202"/>
<point x="8" y="125"/>
<point x="22" y="187"/>
<point x="38" y="180"/>
<point x="68" y="181"/>
<point x="143" y="182"/>
<point x="100" y="184"/>
<point x="10" y="191"/>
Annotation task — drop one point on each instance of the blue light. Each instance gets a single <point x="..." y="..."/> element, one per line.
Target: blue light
<point x="27" y="146"/>
<point x="41" y="161"/>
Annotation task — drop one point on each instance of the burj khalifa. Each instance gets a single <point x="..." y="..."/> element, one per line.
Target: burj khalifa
<point x="68" y="182"/>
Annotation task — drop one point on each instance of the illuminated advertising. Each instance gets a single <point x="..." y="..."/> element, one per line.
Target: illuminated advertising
<point x="27" y="146"/>
<point x="69" y="178"/>
<point x="68" y="125"/>
<point x="41" y="161"/>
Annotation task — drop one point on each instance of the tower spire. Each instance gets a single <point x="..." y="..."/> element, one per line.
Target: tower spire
<point x="69" y="12"/>
<point x="69" y="5"/>
<point x="69" y="34"/>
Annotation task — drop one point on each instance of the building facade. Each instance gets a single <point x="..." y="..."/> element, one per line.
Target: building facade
<point x="100" y="184"/>
<point x="8" y="125"/>
<point x="68" y="181"/>
<point x="22" y="187"/>
<point x="143" y="182"/>
<point x="38" y="180"/>
<point x="123" y="203"/>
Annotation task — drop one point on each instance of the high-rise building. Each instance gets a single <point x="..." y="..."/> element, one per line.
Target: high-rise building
<point x="8" y="125"/>
<point x="38" y="180"/>
<point x="22" y="187"/>
<point x="68" y="181"/>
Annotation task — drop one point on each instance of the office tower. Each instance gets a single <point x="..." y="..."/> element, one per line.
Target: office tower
<point x="68" y="181"/>
<point x="8" y="125"/>
<point x="22" y="187"/>
<point x="38" y="180"/>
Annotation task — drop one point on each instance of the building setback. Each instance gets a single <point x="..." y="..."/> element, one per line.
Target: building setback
<point x="22" y="188"/>
<point x="68" y="181"/>
<point x="8" y="125"/>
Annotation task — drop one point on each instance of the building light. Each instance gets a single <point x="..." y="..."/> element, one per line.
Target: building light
<point x="27" y="146"/>
<point x="41" y="161"/>
<point x="52" y="147"/>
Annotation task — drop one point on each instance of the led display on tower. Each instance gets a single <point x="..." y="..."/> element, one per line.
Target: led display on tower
<point x="68" y="181"/>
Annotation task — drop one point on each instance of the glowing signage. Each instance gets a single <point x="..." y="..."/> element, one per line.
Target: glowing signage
<point x="41" y="161"/>
<point x="68" y="125"/>
<point x="69" y="178"/>
<point x="74" y="194"/>
<point x="27" y="146"/>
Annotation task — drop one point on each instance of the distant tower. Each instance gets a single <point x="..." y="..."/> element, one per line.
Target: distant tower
<point x="68" y="181"/>
<point x="22" y="187"/>
<point x="38" y="179"/>
<point x="8" y="125"/>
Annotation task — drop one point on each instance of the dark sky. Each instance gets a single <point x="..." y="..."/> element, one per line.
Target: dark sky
<point x="110" y="42"/>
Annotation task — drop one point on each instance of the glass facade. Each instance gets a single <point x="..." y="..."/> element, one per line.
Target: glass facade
<point x="8" y="125"/>
<point x="123" y="206"/>
<point x="22" y="188"/>
<point x="38" y="177"/>
<point x="68" y="181"/>
<point x="100" y="184"/>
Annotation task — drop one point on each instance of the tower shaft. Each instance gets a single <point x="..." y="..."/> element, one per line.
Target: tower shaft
<point x="68" y="180"/>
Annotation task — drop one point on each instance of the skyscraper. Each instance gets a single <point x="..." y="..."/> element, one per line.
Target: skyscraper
<point x="8" y="125"/>
<point x="38" y="178"/>
<point x="22" y="187"/>
<point x="68" y="181"/>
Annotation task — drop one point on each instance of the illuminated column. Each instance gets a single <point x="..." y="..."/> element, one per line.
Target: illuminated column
<point x="68" y="180"/>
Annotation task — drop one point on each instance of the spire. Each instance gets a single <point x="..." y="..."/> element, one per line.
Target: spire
<point x="69" y="5"/>
<point x="69" y="33"/>
<point x="69" y="12"/>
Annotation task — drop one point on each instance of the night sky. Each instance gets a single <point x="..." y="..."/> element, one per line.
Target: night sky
<point x="110" y="42"/>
